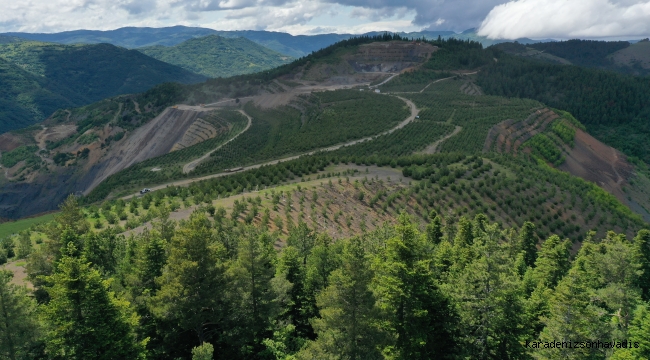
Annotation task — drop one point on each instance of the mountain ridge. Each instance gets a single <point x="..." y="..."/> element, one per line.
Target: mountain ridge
<point x="216" y="56"/>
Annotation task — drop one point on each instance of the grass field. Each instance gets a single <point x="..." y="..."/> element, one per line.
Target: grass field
<point x="15" y="227"/>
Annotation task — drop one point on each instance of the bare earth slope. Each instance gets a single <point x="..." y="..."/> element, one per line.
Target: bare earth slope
<point x="155" y="138"/>
<point x="594" y="161"/>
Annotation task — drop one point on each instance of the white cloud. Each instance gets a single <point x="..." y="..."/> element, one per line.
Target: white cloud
<point x="396" y="25"/>
<point x="61" y="15"/>
<point x="568" y="19"/>
<point x="269" y="17"/>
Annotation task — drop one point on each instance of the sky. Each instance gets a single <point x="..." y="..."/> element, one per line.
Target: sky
<point x="496" y="19"/>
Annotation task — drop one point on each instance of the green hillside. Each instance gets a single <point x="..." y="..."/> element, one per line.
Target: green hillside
<point x="613" y="107"/>
<point x="426" y="241"/>
<point x="43" y="77"/>
<point x="618" y="56"/>
<point x="216" y="56"/>
<point x="26" y="98"/>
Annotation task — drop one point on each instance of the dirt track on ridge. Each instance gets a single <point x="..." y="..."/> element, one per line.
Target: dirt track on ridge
<point x="414" y="112"/>
<point x="194" y="163"/>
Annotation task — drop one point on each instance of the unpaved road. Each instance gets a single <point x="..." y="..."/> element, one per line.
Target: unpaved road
<point x="431" y="149"/>
<point x="385" y="81"/>
<point x="194" y="163"/>
<point x="433" y="82"/>
<point x="414" y="112"/>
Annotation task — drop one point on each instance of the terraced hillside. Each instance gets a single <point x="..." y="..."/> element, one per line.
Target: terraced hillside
<point x="117" y="133"/>
<point x="508" y="135"/>
<point x="316" y="208"/>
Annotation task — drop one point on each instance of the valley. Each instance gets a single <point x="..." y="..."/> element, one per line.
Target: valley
<point x="470" y="192"/>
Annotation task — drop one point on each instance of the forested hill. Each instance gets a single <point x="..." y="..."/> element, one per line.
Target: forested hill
<point x="216" y="56"/>
<point x="614" y="107"/>
<point x="618" y="56"/>
<point x="26" y="98"/>
<point x="588" y="53"/>
<point x="74" y="75"/>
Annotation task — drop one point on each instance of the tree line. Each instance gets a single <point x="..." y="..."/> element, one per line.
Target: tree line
<point x="218" y="288"/>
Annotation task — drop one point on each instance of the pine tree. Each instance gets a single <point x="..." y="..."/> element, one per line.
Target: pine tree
<point x="416" y="311"/>
<point x="252" y="292"/>
<point x="487" y="291"/>
<point x="203" y="352"/>
<point x="638" y="335"/>
<point x="571" y="317"/>
<point x="24" y="247"/>
<point x="71" y="217"/>
<point x="528" y="243"/>
<point x="434" y="229"/>
<point x="552" y="263"/>
<point x="19" y="329"/>
<point x="298" y="311"/>
<point x="642" y="249"/>
<point x="302" y="238"/>
<point x="346" y="327"/>
<point x="465" y="233"/>
<point x="193" y="282"/>
<point x="85" y="320"/>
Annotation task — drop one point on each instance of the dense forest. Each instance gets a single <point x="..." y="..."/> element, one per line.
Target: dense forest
<point x="39" y="78"/>
<point x="589" y="53"/>
<point x="214" y="286"/>
<point x="215" y="56"/>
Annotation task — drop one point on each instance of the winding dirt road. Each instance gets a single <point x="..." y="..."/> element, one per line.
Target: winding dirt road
<point x="431" y="149"/>
<point x="194" y="163"/>
<point x="414" y="112"/>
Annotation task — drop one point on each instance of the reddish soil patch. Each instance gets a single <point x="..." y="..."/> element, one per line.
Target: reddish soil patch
<point x="594" y="161"/>
<point x="54" y="133"/>
<point x="20" y="274"/>
<point x="508" y="135"/>
<point x="9" y="142"/>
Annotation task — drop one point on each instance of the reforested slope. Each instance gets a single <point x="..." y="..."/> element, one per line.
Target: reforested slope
<point x="216" y="56"/>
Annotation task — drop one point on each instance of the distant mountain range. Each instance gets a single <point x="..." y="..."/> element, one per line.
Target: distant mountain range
<point x="287" y="44"/>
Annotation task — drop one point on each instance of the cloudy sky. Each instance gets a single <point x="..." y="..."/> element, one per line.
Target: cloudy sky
<point x="494" y="18"/>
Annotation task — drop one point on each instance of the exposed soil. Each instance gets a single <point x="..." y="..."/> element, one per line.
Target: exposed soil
<point x="9" y="142"/>
<point x="589" y="158"/>
<point x="198" y="132"/>
<point x="20" y="274"/>
<point x="469" y="88"/>
<point x="594" y="161"/>
<point x="54" y="133"/>
<point x="341" y="197"/>
<point x="159" y="135"/>
<point x="155" y="138"/>
<point x="507" y="136"/>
